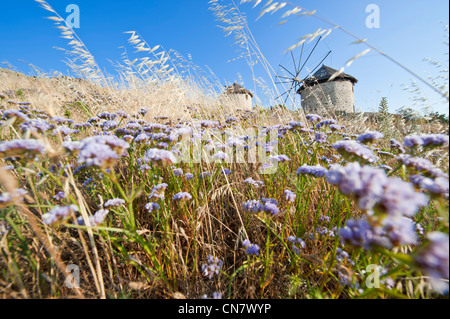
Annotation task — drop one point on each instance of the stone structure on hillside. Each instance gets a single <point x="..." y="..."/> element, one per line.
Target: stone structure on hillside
<point x="320" y="95"/>
<point x="237" y="97"/>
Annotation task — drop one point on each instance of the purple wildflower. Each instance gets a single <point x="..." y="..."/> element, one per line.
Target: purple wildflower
<point x="290" y="196"/>
<point x="296" y="242"/>
<point x="143" y="137"/>
<point x="94" y="220"/>
<point x="109" y="125"/>
<point x="335" y="127"/>
<point x="317" y="170"/>
<point x="421" y="165"/>
<point x="107" y="116"/>
<point x="58" y="214"/>
<point x="21" y="148"/>
<point x="313" y="118"/>
<point x="250" y="249"/>
<point x="400" y="198"/>
<point x="270" y="207"/>
<point x="221" y="156"/>
<point x="428" y="140"/>
<point x="158" y="191"/>
<point x="253" y="206"/>
<point x="350" y="149"/>
<point x="295" y="125"/>
<point x="36" y="126"/>
<point x="178" y="172"/>
<point x="96" y="154"/>
<point x="226" y="171"/>
<point x="369" y="137"/>
<point x="437" y="187"/>
<point x="151" y="207"/>
<point x="251" y="181"/>
<point x="325" y="123"/>
<point x="7" y="199"/>
<point x="279" y="158"/>
<point x="59" y="196"/>
<point x="65" y="131"/>
<point x="160" y="157"/>
<point x="320" y="138"/>
<point x="122" y="114"/>
<point x="183" y="196"/>
<point x="212" y="266"/>
<point x="433" y="260"/>
<point x="114" y="202"/>
<point x="20" y="117"/>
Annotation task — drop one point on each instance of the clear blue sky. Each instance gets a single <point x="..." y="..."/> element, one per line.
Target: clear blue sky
<point x="409" y="32"/>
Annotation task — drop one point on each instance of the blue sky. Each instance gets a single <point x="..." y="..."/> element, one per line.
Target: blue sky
<point x="409" y="32"/>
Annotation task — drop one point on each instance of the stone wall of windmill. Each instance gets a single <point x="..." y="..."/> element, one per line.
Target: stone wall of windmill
<point x="320" y="96"/>
<point x="236" y="97"/>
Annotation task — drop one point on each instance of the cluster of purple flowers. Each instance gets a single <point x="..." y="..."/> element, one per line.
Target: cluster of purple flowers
<point x="183" y="196"/>
<point x="158" y="191"/>
<point x="250" y="249"/>
<point x="313" y="118"/>
<point x="107" y="116"/>
<point x="433" y="259"/>
<point x="7" y="199"/>
<point x="421" y="165"/>
<point x="151" y="207"/>
<point x="215" y="295"/>
<point x="317" y="171"/>
<point x="297" y="243"/>
<point x="320" y="138"/>
<point x="20" y="117"/>
<point x="351" y="149"/>
<point x="221" y="156"/>
<point x="289" y="196"/>
<point x="59" y="214"/>
<point x="36" y="126"/>
<point x="436" y="187"/>
<point x="251" y="181"/>
<point x="28" y="148"/>
<point x="64" y="131"/>
<point x="212" y="267"/>
<point x="177" y="172"/>
<point x="369" y="137"/>
<point x="374" y="190"/>
<point x="267" y="205"/>
<point x="95" y="220"/>
<point x="114" y="202"/>
<point x="159" y="157"/>
<point x="428" y="140"/>
<point x="279" y="158"/>
<point x="59" y="196"/>
<point x="4" y="228"/>
<point x="325" y="123"/>
<point x="101" y="151"/>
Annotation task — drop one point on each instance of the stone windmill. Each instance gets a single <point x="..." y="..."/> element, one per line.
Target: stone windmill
<point x="237" y="97"/>
<point x="321" y="91"/>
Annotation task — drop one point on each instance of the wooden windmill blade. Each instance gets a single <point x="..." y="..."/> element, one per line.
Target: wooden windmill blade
<point x="293" y="78"/>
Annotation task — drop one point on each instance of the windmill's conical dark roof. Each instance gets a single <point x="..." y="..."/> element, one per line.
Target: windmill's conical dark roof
<point x="237" y="89"/>
<point x="324" y="74"/>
